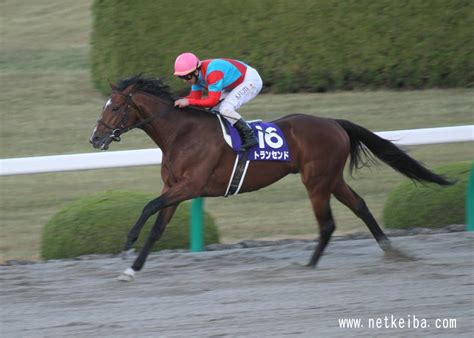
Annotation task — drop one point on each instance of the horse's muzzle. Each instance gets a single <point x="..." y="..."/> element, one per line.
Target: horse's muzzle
<point x="101" y="143"/>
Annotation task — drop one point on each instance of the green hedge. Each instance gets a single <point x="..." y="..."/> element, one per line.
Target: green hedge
<point x="303" y="45"/>
<point x="99" y="224"/>
<point x="429" y="206"/>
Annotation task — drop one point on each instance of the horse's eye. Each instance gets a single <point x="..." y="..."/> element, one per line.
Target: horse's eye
<point x="115" y="108"/>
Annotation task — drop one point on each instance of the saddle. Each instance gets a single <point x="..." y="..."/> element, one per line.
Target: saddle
<point x="272" y="146"/>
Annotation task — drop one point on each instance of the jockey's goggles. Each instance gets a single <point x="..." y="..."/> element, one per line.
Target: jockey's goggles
<point x="187" y="76"/>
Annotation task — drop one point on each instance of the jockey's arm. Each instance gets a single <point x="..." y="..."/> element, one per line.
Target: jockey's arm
<point x="194" y="94"/>
<point x="211" y="100"/>
<point x="215" y="86"/>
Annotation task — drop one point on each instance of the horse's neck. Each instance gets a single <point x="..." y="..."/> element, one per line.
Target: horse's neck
<point x="169" y="122"/>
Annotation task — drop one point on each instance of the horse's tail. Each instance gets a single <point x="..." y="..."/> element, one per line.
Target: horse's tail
<point x="387" y="152"/>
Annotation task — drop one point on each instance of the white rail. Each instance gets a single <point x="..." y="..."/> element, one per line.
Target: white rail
<point x="410" y="137"/>
<point x="129" y="158"/>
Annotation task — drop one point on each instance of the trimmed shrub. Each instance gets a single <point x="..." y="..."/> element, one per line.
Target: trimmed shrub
<point x="302" y="45"/>
<point x="429" y="206"/>
<point x="100" y="223"/>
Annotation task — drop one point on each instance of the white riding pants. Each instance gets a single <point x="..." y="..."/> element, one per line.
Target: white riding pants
<point x="243" y="93"/>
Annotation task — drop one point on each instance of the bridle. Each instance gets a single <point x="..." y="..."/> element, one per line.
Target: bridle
<point x="120" y="129"/>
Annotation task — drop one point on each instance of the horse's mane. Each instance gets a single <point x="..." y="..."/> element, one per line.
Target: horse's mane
<point x="154" y="87"/>
<point x="149" y="85"/>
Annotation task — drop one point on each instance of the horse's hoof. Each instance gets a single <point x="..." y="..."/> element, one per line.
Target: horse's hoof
<point x="385" y="245"/>
<point x="127" y="253"/>
<point x="127" y="276"/>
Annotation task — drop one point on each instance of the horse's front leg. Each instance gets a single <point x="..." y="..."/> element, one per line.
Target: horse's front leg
<point x="168" y="201"/>
<point x="151" y="208"/>
<point x="157" y="230"/>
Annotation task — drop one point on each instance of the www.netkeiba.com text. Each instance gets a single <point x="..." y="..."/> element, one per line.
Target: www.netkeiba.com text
<point x="394" y="322"/>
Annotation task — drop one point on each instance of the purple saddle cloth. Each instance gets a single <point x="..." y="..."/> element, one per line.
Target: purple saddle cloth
<point x="272" y="145"/>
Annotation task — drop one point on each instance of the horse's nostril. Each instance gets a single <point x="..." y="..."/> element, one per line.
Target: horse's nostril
<point x="94" y="140"/>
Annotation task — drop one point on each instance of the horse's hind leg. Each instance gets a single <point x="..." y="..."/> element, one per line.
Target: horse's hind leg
<point x="322" y="210"/>
<point x="349" y="197"/>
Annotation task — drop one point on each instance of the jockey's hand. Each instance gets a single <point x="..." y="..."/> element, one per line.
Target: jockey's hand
<point x="181" y="103"/>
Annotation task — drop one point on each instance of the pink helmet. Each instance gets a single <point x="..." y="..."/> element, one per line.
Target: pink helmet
<point x="186" y="63"/>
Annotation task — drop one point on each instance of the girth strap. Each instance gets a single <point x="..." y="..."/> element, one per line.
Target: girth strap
<point x="238" y="174"/>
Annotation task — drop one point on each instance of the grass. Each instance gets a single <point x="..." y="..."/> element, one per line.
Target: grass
<point x="49" y="107"/>
<point x="412" y="205"/>
<point x="98" y="224"/>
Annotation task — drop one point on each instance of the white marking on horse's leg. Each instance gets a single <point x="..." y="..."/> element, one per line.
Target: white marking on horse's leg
<point x="127" y="276"/>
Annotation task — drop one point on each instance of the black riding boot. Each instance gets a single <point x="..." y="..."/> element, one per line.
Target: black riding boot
<point x="246" y="133"/>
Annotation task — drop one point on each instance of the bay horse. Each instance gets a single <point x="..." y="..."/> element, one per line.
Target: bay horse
<point x="198" y="163"/>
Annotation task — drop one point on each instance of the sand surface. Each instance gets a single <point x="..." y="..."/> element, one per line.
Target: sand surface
<point x="250" y="292"/>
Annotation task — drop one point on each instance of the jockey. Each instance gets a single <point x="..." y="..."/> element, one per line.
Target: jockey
<point x="229" y="84"/>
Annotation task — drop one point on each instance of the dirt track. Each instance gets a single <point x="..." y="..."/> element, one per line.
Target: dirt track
<point x="263" y="291"/>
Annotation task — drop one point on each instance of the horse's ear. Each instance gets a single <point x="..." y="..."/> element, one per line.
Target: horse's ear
<point x="112" y="86"/>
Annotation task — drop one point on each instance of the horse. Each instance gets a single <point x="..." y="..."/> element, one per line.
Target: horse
<point x="198" y="163"/>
